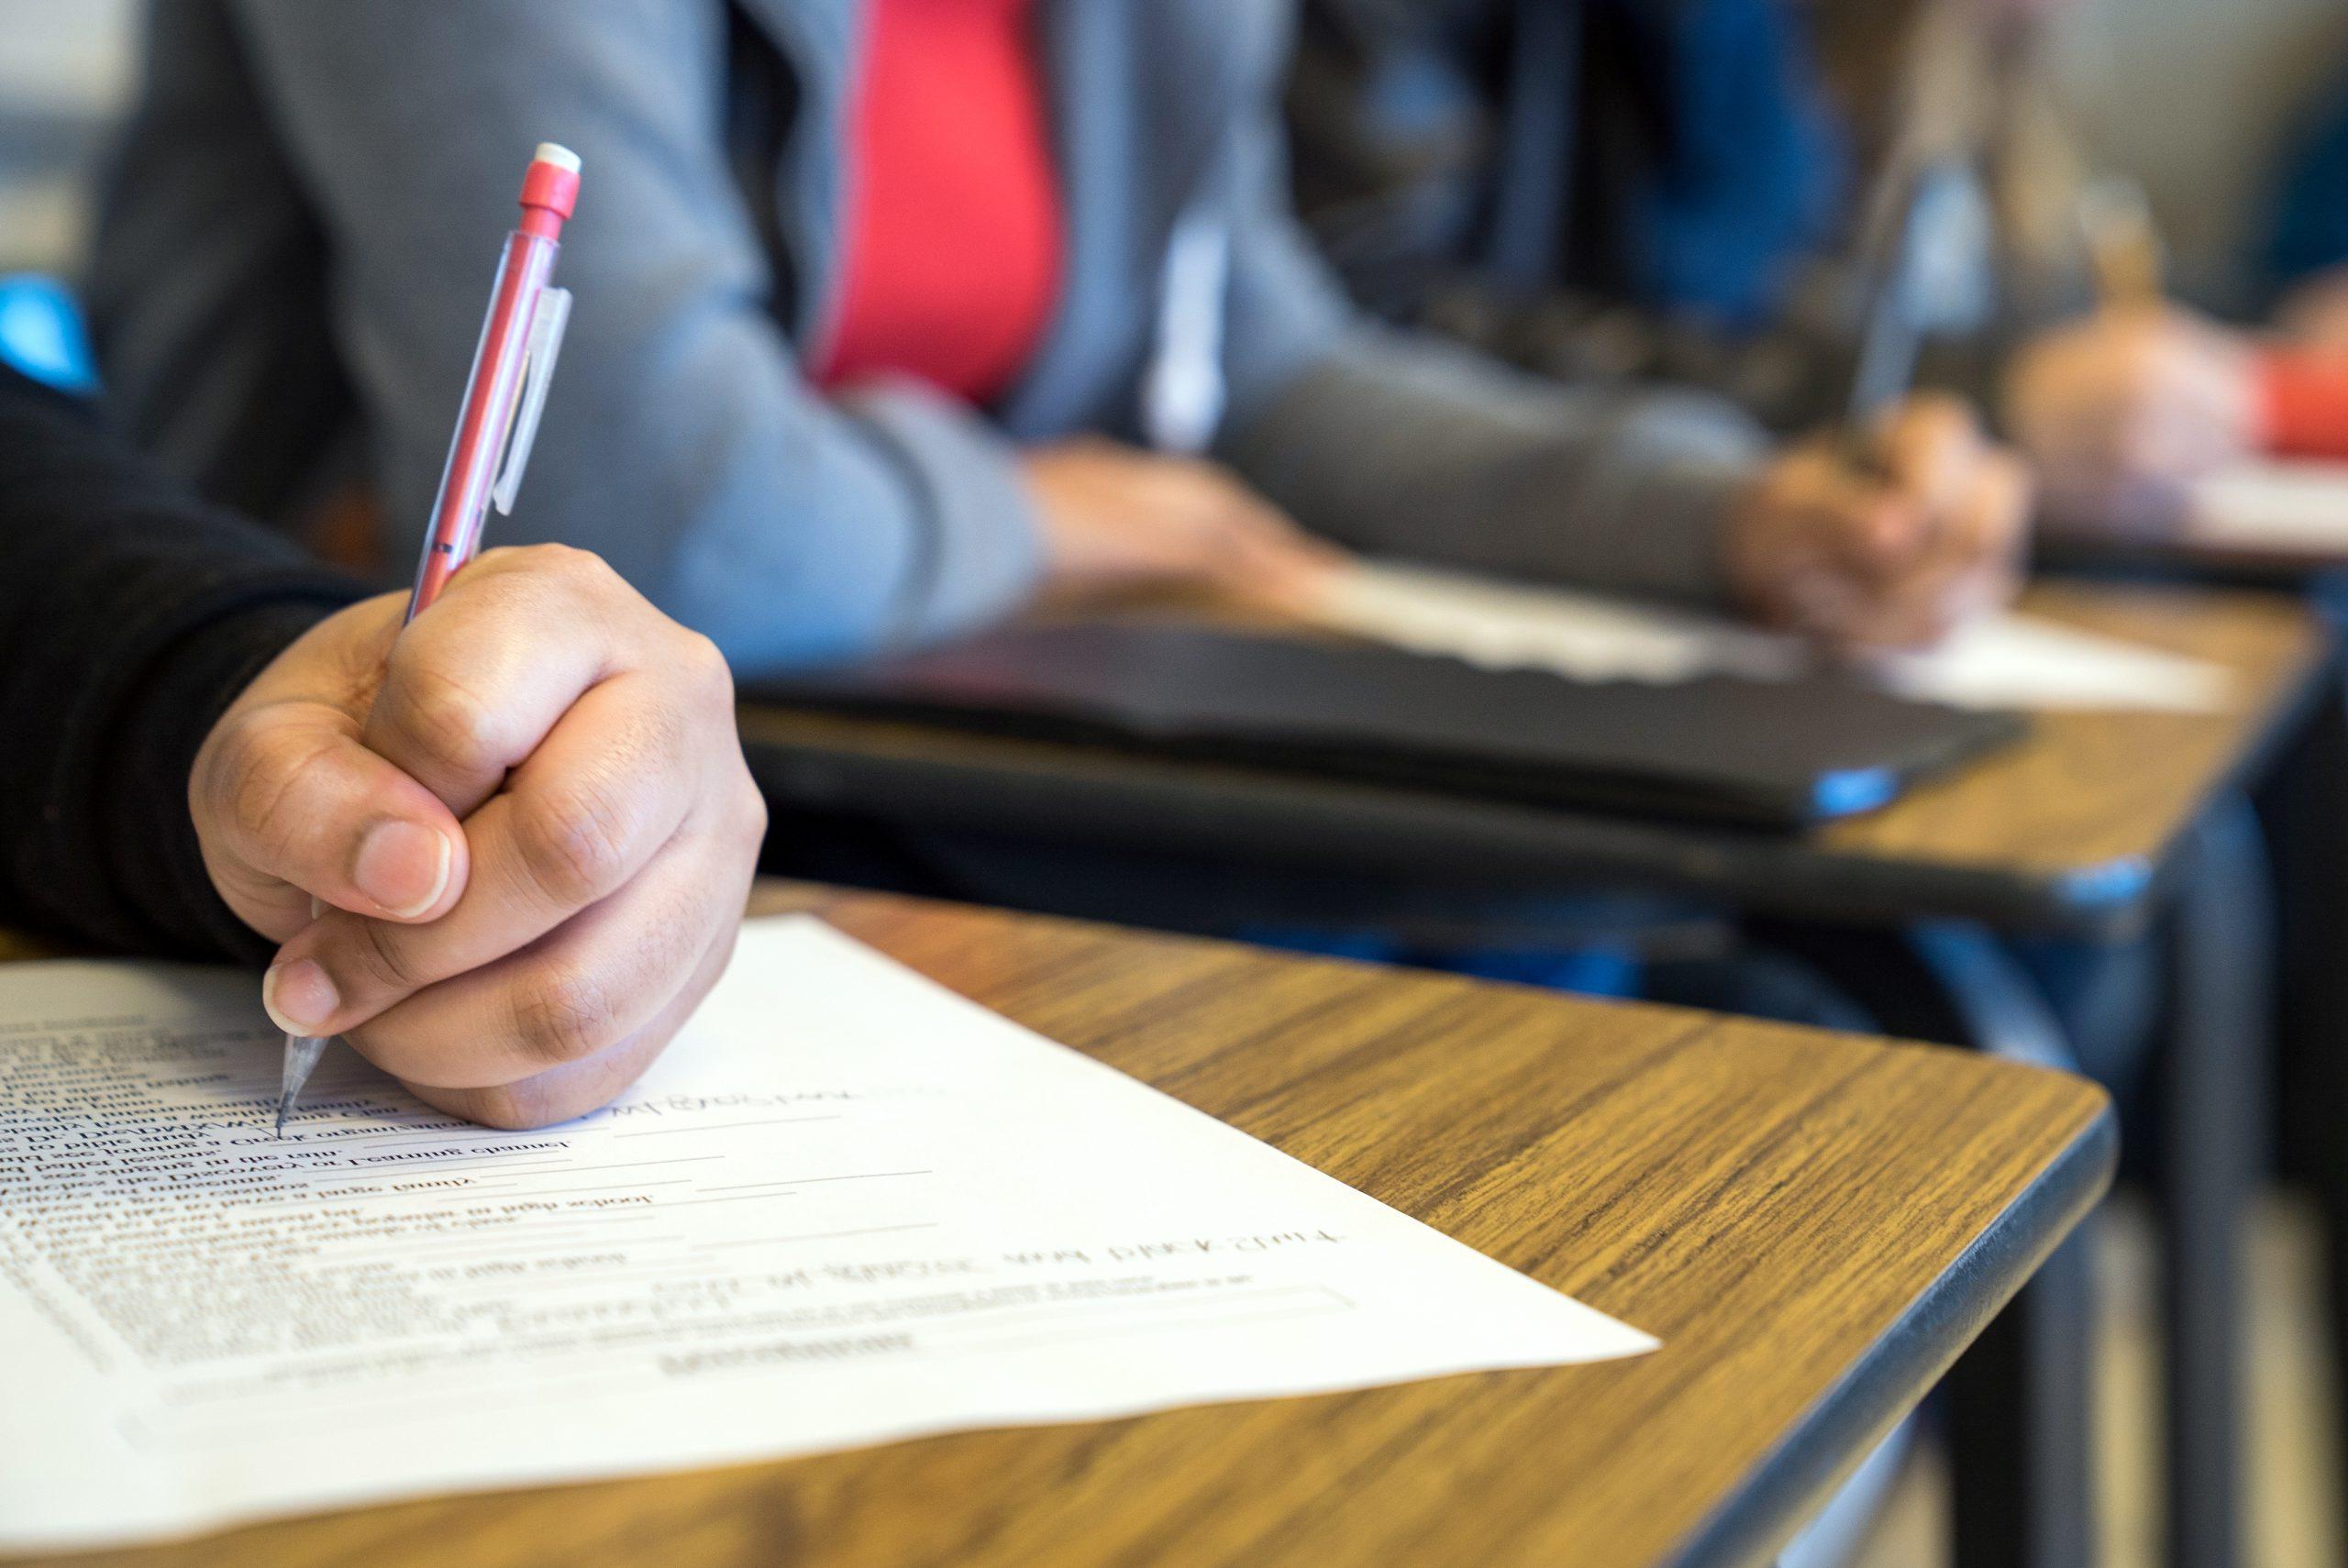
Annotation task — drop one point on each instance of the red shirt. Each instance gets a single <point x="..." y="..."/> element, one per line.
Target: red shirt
<point x="952" y="262"/>
<point x="2305" y="394"/>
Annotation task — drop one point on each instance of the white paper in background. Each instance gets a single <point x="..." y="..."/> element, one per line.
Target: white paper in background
<point x="2030" y="662"/>
<point x="2287" y="506"/>
<point x="2007" y="661"/>
<point x="848" y="1206"/>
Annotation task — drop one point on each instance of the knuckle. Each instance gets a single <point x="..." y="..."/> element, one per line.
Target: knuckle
<point x="385" y="958"/>
<point x="497" y="562"/>
<point x="742" y="822"/>
<point x="451" y="719"/>
<point x="573" y="842"/>
<point x="581" y="571"/>
<point x="255" y="772"/>
<point x="563" y="1018"/>
<point x="704" y="665"/>
<point x="552" y="558"/>
<point x="753" y="812"/>
<point x="548" y="578"/>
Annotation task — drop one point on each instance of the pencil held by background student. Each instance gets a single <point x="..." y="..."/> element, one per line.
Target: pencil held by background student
<point x="1895" y="554"/>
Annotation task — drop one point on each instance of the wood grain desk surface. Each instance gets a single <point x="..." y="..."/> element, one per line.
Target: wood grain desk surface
<point x="2072" y="823"/>
<point x="1814" y="1224"/>
<point x="2089" y="790"/>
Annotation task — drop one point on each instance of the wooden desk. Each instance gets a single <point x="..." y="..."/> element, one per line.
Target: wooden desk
<point x="2069" y="830"/>
<point x="2096" y="800"/>
<point x="1815" y="1224"/>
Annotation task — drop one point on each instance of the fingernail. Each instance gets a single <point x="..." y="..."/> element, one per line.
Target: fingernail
<point x="403" y="866"/>
<point x="298" y="996"/>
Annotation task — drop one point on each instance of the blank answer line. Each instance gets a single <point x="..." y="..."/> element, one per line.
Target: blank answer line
<point x="194" y="1429"/>
<point x="723" y="1126"/>
<point x="1151" y="1308"/>
<point x="821" y="1235"/>
<point x="384" y="1411"/>
<point x="1116" y="1331"/>
<point x="193" y="1425"/>
<point x="608" y="1187"/>
<point x="625" y="1165"/>
<point x="423" y="1261"/>
<point x="432" y="1406"/>
<point x="812" y="1180"/>
<point x="736" y="1198"/>
<point x="637" y="1272"/>
<point x="463" y="1243"/>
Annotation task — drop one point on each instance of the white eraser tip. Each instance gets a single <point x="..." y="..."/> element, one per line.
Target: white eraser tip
<point x="559" y="156"/>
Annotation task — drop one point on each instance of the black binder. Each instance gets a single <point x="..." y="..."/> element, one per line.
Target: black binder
<point x="1769" y="754"/>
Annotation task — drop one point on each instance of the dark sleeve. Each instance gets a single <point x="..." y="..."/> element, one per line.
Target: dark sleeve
<point x="2307" y="221"/>
<point x="130" y="616"/>
<point x="1794" y="377"/>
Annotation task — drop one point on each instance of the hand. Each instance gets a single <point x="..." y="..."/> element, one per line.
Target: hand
<point x="2125" y="411"/>
<point x="1879" y="562"/>
<point x="1118" y="519"/>
<point x="528" y="821"/>
<point x="2316" y="314"/>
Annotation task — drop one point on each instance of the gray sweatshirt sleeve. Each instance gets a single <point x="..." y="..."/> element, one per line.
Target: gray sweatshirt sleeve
<point x="681" y="440"/>
<point x="1396" y="444"/>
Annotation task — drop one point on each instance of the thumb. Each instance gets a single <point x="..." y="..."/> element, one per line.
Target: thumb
<point x="289" y="807"/>
<point x="1873" y="533"/>
<point x="1928" y="448"/>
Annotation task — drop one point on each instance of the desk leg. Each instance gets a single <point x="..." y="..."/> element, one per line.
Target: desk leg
<point x="2020" y="1402"/>
<point x="2213" y="1106"/>
<point x="2018" y="1409"/>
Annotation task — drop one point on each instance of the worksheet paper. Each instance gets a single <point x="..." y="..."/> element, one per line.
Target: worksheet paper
<point x="2291" y="507"/>
<point x="2004" y="661"/>
<point x="848" y="1206"/>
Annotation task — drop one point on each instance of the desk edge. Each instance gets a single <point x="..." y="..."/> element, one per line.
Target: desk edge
<point x="1912" y="1355"/>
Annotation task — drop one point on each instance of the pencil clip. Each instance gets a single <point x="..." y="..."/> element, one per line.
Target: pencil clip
<point x="546" y="327"/>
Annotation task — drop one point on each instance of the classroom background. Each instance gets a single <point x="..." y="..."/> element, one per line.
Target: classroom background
<point x="2225" y="78"/>
<point x="2188" y="97"/>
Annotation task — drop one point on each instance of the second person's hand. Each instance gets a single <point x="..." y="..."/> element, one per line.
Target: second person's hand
<point x="1892" y="558"/>
<point x="2125" y="411"/>
<point x="528" y="822"/>
<point x="1116" y="519"/>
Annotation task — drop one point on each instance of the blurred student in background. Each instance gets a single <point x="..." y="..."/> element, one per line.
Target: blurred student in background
<point x="2303" y="281"/>
<point x="504" y="856"/>
<point x="1701" y="218"/>
<point x="898" y="313"/>
<point x="1628" y="190"/>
